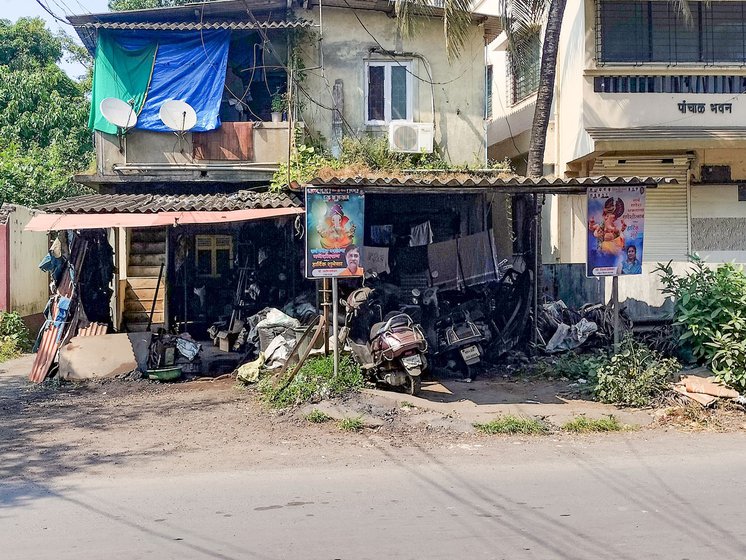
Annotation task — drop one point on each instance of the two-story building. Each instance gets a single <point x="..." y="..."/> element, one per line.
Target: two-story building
<point x="186" y="197"/>
<point x="640" y="91"/>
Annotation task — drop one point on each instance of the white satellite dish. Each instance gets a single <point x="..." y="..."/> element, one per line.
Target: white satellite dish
<point x="117" y="112"/>
<point x="178" y="115"/>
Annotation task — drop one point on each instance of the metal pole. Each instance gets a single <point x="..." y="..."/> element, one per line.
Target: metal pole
<point x="615" y="303"/>
<point x="335" y="323"/>
<point x="325" y="306"/>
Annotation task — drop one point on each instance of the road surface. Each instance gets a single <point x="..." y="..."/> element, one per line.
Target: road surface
<point x="622" y="496"/>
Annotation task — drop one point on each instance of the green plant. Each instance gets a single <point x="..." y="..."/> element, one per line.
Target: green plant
<point x="635" y="375"/>
<point x="354" y="424"/>
<point x="314" y="381"/>
<point x="583" y="425"/>
<point x="14" y="336"/>
<point x="510" y="424"/>
<point x="317" y="416"/>
<point x="580" y="366"/>
<point x="279" y="102"/>
<point x="710" y="309"/>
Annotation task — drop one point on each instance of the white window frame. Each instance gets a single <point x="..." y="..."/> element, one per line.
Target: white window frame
<point x="388" y="65"/>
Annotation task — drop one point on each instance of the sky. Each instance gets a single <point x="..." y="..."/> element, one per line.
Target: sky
<point x="14" y="9"/>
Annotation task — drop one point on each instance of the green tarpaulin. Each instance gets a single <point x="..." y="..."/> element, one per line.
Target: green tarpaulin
<point x="122" y="70"/>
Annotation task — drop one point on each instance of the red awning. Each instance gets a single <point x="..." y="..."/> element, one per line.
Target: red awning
<point x="57" y="222"/>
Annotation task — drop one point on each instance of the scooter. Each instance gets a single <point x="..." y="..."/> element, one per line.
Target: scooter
<point x="390" y="351"/>
<point x="460" y="339"/>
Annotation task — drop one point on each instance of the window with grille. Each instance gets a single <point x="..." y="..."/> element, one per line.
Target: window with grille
<point x="637" y="32"/>
<point x="488" y="93"/>
<point x="524" y="76"/>
<point x="388" y="91"/>
<point x="213" y="255"/>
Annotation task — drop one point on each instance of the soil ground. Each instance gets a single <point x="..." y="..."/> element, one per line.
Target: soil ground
<point x="49" y="430"/>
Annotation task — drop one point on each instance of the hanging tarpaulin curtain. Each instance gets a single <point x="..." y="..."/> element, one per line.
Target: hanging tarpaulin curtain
<point x="187" y="65"/>
<point x="122" y="69"/>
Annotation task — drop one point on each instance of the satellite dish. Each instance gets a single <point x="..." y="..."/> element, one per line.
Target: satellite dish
<point x="178" y="115"/>
<point x="117" y="112"/>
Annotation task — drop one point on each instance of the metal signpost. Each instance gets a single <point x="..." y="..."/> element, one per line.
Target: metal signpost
<point x="334" y="242"/>
<point x="616" y="231"/>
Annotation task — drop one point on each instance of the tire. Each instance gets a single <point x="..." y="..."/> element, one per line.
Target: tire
<point x="415" y="384"/>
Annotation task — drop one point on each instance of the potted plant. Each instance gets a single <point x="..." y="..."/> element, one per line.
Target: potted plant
<point x="279" y="104"/>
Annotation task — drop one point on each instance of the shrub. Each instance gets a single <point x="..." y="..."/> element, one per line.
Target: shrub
<point x="580" y="366"/>
<point x="513" y="425"/>
<point x="14" y="336"/>
<point x="315" y="380"/>
<point x="635" y="375"/>
<point x="710" y="309"/>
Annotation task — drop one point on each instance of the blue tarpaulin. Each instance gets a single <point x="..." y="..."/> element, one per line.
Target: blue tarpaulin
<point x="189" y="66"/>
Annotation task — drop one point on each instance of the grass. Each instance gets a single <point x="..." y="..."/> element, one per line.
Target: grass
<point x="317" y="416"/>
<point x="583" y="425"/>
<point x="314" y="381"/>
<point x="406" y="404"/>
<point x="510" y="424"/>
<point x="354" y="424"/>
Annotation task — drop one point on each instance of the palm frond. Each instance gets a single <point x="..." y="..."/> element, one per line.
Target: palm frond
<point x="684" y="10"/>
<point x="456" y="20"/>
<point x="523" y="21"/>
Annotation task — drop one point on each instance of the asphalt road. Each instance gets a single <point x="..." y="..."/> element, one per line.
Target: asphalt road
<point x="669" y="496"/>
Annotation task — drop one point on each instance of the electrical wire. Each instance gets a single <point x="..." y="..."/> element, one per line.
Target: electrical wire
<point x="51" y="13"/>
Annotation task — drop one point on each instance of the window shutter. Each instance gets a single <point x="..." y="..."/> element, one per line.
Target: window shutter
<point x="666" y="206"/>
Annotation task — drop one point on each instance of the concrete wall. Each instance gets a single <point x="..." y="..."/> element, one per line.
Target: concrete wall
<point x="145" y="147"/>
<point x="29" y="286"/>
<point x="459" y="94"/>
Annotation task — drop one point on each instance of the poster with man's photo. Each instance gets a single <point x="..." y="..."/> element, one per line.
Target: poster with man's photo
<point x="334" y="233"/>
<point x="616" y="228"/>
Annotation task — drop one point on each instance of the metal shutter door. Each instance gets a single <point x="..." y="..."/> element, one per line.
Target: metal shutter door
<point x="667" y="206"/>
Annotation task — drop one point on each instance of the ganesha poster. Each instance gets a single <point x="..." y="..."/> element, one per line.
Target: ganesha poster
<point x="616" y="229"/>
<point x="334" y="232"/>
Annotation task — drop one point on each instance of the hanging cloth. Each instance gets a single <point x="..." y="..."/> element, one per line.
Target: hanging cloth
<point x="421" y="234"/>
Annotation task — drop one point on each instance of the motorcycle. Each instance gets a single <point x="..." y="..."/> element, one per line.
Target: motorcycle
<point x="391" y="350"/>
<point x="461" y="340"/>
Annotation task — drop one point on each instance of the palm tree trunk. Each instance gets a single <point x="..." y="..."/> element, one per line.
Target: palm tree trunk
<point x="547" y="75"/>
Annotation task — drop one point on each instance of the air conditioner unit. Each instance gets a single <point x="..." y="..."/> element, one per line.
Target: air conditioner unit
<point x="411" y="137"/>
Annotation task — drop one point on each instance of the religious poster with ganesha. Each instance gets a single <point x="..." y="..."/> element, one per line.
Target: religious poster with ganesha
<point x="616" y="219"/>
<point x="334" y="232"/>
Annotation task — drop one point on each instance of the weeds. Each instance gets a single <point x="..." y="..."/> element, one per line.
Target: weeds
<point x="634" y="376"/>
<point x="510" y="424"/>
<point x="14" y="336"/>
<point x="314" y="381"/>
<point x="584" y="425"/>
<point x="317" y="416"/>
<point x="351" y="424"/>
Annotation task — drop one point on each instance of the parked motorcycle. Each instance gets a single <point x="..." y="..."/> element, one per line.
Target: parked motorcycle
<point x="460" y="340"/>
<point x="390" y="349"/>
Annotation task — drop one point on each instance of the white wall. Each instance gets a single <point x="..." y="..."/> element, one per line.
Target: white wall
<point x="29" y="286"/>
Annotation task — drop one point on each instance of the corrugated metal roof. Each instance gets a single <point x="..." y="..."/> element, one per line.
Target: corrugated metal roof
<point x="191" y="26"/>
<point x="526" y="183"/>
<point x="151" y="203"/>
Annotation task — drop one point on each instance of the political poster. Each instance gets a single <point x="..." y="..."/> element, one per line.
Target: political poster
<point x="334" y="232"/>
<point x="616" y="230"/>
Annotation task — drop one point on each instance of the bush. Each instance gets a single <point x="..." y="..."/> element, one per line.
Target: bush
<point x="314" y="381"/>
<point x="580" y="366"/>
<point x="710" y="309"/>
<point x="14" y="336"/>
<point x="634" y="376"/>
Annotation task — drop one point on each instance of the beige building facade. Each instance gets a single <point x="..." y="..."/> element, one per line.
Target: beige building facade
<point x="641" y="92"/>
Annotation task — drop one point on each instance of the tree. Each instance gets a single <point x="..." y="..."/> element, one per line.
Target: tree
<point x="44" y="138"/>
<point x="121" y="5"/>
<point x="456" y="20"/>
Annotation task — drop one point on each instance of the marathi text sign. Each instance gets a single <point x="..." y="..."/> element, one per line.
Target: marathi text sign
<point x="334" y="232"/>
<point x="616" y="220"/>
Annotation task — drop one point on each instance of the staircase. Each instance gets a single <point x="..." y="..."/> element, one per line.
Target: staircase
<point x="147" y="253"/>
